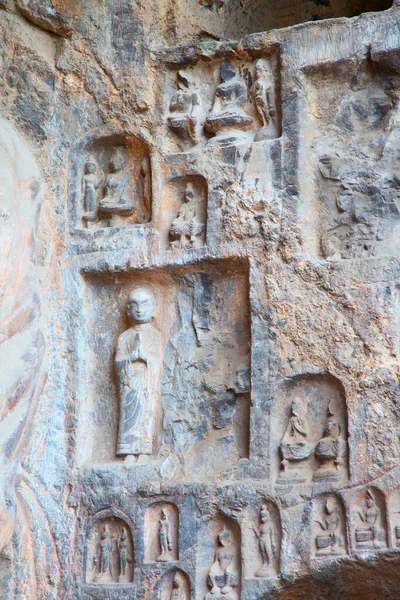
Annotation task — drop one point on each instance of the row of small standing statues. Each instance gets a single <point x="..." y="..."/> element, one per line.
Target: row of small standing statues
<point x="224" y="571"/>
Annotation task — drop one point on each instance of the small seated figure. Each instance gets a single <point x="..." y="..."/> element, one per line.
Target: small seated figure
<point x="186" y="228"/>
<point x="164" y="534"/>
<point x="266" y="539"/>
<point x="182" y="119"/>
<point x="264" y="98"/>
<point x="228" y="119"/>
<point x="295" y="447"/>
<point x="117" y="198"/>
<point x="223" y="575"/>
<point x="368" y="535"/>
<point x="90" y="189"/>
<point x="330" y="542"/>
<point x="329" y="450"/>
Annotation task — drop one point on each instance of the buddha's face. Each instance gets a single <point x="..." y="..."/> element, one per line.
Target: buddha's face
<point x="90" y="168"/>
<point x="264" y="514"/>
<point x="224" y="538"/>
<point x="140" y="306"/>
<point x="370" y="502"/>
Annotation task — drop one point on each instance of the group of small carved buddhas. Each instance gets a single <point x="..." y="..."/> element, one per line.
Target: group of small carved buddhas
<point x="369" y="533"/>
<point x="138" y="362"/>
<point x="187" y="228"/>
<point x="223" y="575"/>
<point x="330" y="542"/>
<point x="296" y="447"/>
<point x="103" y="572"/>
<point x="228" y="119"/>
<point x="267" y="543"/>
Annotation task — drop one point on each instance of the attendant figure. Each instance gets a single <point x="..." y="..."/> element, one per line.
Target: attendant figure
<point x="90" y="190"/>
<point x="138" y="364"/>
<point x="183" y="108"/>
<point x="123" y="556"/>
<point x="264" y="98"/>
<point x="228" y="119"/>
<point x="187" y="228"/>
<point x="105" y="567"/>
<point x="164" y="534"/>
<point x="178" y="589"/>
<point x="330" y="449"/>
<point x="266" y="539"/>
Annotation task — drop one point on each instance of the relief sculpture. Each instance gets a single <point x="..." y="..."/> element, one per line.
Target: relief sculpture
<point x="370" y="532"/>
<point x="329" y="541"/>
<point x="296" y="447"/>
<point x="223" y="576"/>
<point x="138" y="363"/>
<point x="330" y="449"/>
<point x="267" y="542"/>
<point x="265" y="101"/>
<point x="183" y="111"/>
<point x="110" y="553"/>
<point x="187" y="229"/>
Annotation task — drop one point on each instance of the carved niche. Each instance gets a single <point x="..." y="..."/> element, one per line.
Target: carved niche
<point x="268" y="541"/>
<point x="223" y="566"/>
<point x="370" y="521"/>
<point x="162" y="532"/>
<point x="313" y="442"/>
<point x="185" y="212"/>
<point x="329" y="537"/>
<point x="174" y="585"/>
<point x="110" y="554"/>
<point x="114" y="187"/>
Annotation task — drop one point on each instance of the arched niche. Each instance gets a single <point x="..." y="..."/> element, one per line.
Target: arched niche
<point x="309" y="431"/>
<point x="113" y="182"/>
<point x="173" y="585"/>
<point x="162" y="532"/>
<point x="328" y="527"/>
<point x="109" y="556"/>
<point x="185" y="213"/>
<point x="369" y="520"/>
<point x="220" y="545"/>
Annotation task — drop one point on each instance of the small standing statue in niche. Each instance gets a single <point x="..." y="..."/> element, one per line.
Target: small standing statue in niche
<point x="164" y="535"/>
<point x="368" y="535"/>
<point x="105" y="567"/>
<point x="266" y="540"/>
<point x="178" y="589"/>
<point x="228" y="120"/>
<point x="330" y="542"/>
<point x="330" y="448"/>
<point x="183" y="108"/>
<point x="186" y="228"/>
<point x="138" y="363"/>
<point x="90" y="186"/>
<point x="123" y="557"/>
<point x="264" y="98"/>
<point x="223" y="575"/>
<point x="295" y="447"/>
<point x="117" y="201"/>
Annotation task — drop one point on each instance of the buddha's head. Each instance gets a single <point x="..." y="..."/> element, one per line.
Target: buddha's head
<point x="261" y="69"/>
<point x="264" y="513"/>
<point x="140" y="306"/>
<point x="117" y="161"/>
<point x="297" y="405"/>
<point x="188" y="196"/>
<point x="90" y="167"/>
<point x="370" y="500"/>
<point x="228" y="70"/>
<point x="224" y="537"/>
<point x="330" y="506"/>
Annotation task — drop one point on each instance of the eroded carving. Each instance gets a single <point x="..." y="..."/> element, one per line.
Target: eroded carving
<point x="223" y="576"/>
<point x="330" y="536"/>
<point x="138" y="364"/>
<point x="265" y="101"/>
<point x="109" y="553"/>
<point x="162" y="532"/>
<point x="371" y="532"/>
<point x="183" y="119"/>
<point x="267" y="543"/>
<point x="91" y="182"/>
<point x="187" y="229"/>
<point x="228" y="119"/>
<point x="296" y="446"/>
<point x="331" y="448"/>
<point x="174" y="585"/>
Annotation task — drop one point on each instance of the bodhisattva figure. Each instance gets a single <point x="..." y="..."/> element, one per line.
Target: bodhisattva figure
<point x="178" y="589"/>
<point x="165" y="539"/>
<point x="330" y="449"/>
<point x="295" y="447"/>
<point x="138" y="363"/>
<point x="183" y="108"/>
<point x="330" y="542"/>
<point x="223" y="575"/>
<point x="90" y="190"/>
<point x="264" y="98"/>
<point x="368" y="535"/>
<point x="117" y="200"/>
<point x="187" y="228"/>
<point x="228" y="119"/>
<point x="123" y="557"/>
<point x="105" y="568"/>
<point x="266" y="539"/>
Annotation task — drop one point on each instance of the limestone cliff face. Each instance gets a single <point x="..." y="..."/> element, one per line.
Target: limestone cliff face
<point x="219" y="191"/>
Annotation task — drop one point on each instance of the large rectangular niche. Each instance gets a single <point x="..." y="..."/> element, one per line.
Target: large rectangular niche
<point x="202" y="314"/>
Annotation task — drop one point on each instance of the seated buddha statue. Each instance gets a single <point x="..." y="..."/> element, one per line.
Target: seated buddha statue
<point x="295" y="446"/>
<point x="117" y="196"/>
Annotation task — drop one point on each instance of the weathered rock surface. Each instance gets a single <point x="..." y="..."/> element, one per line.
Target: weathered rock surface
<point x="200" y="300"/>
